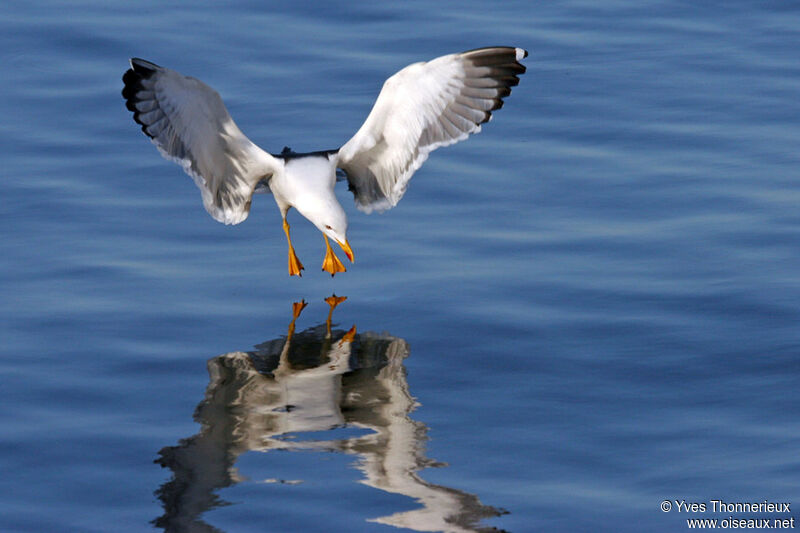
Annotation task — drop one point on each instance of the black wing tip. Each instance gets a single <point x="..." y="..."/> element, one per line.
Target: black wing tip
<point x="130" y="104"/>
<point x="507" y="80"/>
<point x="507" y="69"/>
<point x="132" y="78"/>
<point x="487" y="51"/>
<point x="504" y="69"/>
<point x="143" y="67"/>
<point x="140" y="70"/>
<point x="132" y="83"/>
<point x="503" y="62"/>
<point x="138" y="120"/>
<point x="497" y="103"/>
<point x="144" y="128"/>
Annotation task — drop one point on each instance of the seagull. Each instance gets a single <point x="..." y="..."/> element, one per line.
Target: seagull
<point x="420" y="108"/>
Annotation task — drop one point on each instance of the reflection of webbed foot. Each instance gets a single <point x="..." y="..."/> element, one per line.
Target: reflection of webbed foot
<point x="333" y="301"/>
<point x="297" y="308"/>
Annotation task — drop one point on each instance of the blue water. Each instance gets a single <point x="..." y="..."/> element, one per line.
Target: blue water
<point x="587" y="309"/>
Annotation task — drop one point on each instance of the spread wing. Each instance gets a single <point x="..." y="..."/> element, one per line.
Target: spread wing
<point x="187" y="121"/>
<point x="423" y="107"/>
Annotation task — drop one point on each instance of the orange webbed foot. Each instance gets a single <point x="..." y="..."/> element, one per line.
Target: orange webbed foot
<point x="331" y="264"/>
<point x="295" y="266"/>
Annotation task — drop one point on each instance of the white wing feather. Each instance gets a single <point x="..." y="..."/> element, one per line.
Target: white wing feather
<point x="188" y="122"/>
<point x="419" y="109"/>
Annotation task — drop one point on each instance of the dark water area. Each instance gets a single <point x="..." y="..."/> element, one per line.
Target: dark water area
<point x="587" y="309"/>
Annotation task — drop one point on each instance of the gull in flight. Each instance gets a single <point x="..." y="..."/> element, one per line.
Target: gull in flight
<point x="422" y="107"/>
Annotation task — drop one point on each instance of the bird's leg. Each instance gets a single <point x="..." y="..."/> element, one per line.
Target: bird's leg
<point x="331" y="264"/>
<point x="295" y="266"/>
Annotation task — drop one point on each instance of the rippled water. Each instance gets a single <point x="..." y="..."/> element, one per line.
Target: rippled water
<point x="588" y="308"/>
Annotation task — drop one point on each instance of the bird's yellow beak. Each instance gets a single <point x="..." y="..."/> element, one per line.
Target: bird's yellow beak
<point x="346" y="247"/>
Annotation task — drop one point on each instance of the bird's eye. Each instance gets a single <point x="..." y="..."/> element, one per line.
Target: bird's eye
<point x="328" y="227"/>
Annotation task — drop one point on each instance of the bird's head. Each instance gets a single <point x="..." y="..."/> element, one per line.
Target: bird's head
<point x="332" y="221"/>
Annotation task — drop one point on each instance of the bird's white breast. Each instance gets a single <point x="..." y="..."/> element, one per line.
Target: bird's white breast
<point x="305" y="180"/>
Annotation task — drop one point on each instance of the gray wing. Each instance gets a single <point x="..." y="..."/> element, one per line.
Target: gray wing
<point x="423" y="107"/>
<point x="189" y="124"/>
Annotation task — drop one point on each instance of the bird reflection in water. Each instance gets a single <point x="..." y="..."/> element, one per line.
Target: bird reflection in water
<point x="311" y="381"/>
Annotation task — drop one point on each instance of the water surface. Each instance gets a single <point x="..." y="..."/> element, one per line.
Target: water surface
<point x="588" y="308"/>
